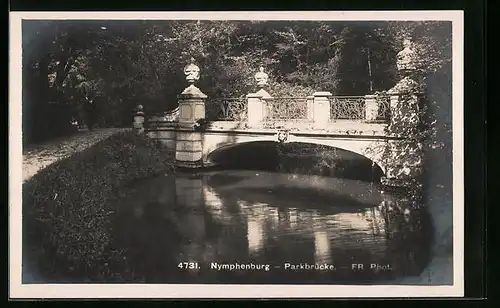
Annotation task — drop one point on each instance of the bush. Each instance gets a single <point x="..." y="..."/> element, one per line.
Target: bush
<point x="67" y="207"/>
<point x="282" y="89"/>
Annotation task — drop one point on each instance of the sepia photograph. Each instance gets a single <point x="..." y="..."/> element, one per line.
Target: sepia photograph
<point x="236" y="154"/>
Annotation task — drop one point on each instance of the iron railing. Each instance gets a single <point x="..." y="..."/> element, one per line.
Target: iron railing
<point x="354" y="108"/>
<point x="384" y="107"/>
<point x="288" y="109"/>
<point x="347" y="108"/>
<point x="300" y="109"/>
<point x="227" y="109"/>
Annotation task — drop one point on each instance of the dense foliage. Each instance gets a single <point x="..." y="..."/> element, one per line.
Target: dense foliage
<point x="67" y="207"/>
<point x="115" y="65"/>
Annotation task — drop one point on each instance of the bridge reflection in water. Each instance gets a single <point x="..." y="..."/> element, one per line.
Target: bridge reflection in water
<point x="275" y="218"/>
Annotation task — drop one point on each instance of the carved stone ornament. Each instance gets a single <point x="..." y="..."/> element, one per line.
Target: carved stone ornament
<point x="282" y="136"/>
<point x="407" y="58"/>
<point x="261" y="77"/>
<point x="192" y="72"/>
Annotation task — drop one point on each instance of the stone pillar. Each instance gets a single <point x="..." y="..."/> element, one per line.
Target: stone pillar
<point x="191" y="106"/>
<point x="255" y="110"/>
<point x="404" y="157"/>
<point x="189" y="145"/>
<point x="258" y="102"/>
<point x="371" y="108"/>
<point x="138" y="124"/>
<point x="321" y="109"/>
<point x="404" y="165"/>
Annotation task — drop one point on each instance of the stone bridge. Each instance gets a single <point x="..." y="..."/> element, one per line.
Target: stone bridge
<point x="200" y="126"/>
<point x="195" y="148"/>
<point x="354" y="124"/>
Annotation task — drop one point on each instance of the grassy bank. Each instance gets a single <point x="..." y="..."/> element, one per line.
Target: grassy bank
<point x="67" y="207"/>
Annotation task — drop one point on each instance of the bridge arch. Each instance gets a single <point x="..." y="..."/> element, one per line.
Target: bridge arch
<point x="360" y="149"/>
<point x="367" y="148"/>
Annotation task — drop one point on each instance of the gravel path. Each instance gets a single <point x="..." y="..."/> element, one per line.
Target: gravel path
<point x="39" y="156"/>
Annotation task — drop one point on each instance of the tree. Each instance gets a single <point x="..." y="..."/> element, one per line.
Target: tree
<point x="121" y="64"/>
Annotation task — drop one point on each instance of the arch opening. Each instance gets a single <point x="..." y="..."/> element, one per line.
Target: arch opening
<point x="296" y="157"/>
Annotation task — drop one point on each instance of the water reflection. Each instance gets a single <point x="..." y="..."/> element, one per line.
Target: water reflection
<point x="255" y="235"/>
<point x="322" y="247"/>
<point x="273" y="218"/>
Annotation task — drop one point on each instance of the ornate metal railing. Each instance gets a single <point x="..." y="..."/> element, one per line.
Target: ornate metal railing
<point x="278" y="109"/>
<point x="384" y="107"/>
<point x="288" y="109"/>
<point x="347" y="108"/>
<point x="355" y="108"/>
<point x="226" y="109"/>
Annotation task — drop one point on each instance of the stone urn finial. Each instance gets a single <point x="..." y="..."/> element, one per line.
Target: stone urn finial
<point x="407" y="58"/>
<point x="261" y="77"/>
<point x="192" y="72"/>
<point x="138" y="123"/>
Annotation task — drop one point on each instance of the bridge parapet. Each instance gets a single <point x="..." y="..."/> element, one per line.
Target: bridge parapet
<point x="233" y="109"/>
<point x="317" y="110"/>
<point x="368" y="108"/>
<point x="260" y="109"/>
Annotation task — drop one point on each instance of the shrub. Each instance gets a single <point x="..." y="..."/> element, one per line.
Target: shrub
<point x="282" y="89"/>
<point x="67" y="206"/>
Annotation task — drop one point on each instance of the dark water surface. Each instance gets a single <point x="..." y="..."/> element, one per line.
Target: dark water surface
<point x="269" y="221"/>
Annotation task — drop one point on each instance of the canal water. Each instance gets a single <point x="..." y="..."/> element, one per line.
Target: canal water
<point x="251" y="226"/>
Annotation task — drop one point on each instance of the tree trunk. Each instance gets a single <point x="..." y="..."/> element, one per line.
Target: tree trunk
<point x="43" y="79"/>
<point x="65" y="60"/>
<point x="370" y="70"/>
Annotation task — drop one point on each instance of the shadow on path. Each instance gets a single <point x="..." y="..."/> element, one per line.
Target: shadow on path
<point x="38" y="156"/>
